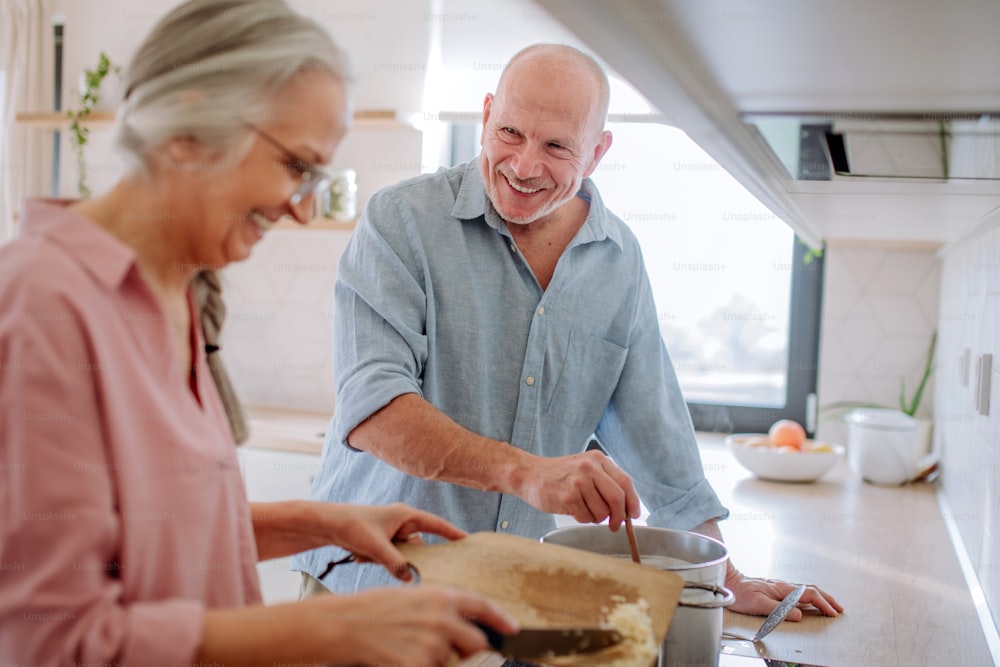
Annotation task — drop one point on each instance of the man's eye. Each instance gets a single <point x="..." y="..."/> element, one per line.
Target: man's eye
<point x="509" y="130"/>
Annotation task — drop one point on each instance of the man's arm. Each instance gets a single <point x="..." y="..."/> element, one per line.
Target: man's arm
<point x="412" y="435"/>
<point x="760" y="596"/>
<point x="380" y="352"/>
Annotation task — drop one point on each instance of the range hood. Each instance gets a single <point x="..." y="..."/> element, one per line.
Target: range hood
<point x="932" y="146"/>
<point x="889" y="128"/>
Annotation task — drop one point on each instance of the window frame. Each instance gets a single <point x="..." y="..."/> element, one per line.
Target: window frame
<point x="58" y="38"/>
<point x="802" y="370"/>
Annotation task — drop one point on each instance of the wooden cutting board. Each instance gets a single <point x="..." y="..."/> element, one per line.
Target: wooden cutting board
<point x="546" y="585"/>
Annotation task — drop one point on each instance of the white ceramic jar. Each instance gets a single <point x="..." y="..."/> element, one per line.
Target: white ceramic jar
<point x="882" y="446"/>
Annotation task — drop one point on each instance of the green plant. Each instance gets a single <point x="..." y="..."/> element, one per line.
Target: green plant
<point x="839" y="409"/>
<point x="811" y="255"/>
<point x="910" y="407"/>
<point x="78" y="131"/>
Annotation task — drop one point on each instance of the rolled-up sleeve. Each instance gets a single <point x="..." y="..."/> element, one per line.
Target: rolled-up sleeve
<point x="646" y="428"/>
<point x="380" y="310"/>
<point x="61" y="595"/>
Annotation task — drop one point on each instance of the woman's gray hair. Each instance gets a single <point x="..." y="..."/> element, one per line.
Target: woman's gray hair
<point x="209" y="65"/>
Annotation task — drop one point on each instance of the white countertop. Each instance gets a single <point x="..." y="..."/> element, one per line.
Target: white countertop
<point x="883" y="552"/>
<point x="286" y="430"/>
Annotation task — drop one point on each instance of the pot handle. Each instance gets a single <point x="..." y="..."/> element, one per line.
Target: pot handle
<point x="727" y="597"/>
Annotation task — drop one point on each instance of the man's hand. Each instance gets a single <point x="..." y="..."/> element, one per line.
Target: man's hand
<point x="588" y="487"/>
<point x="759" y="597"/>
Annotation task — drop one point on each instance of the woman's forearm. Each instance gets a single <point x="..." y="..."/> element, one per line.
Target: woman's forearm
<point x="297" y="632"/>
<point x="419" y="625"/>
<point x="289" y="527"/>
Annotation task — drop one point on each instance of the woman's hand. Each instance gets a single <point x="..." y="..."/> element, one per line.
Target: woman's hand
<point x="403" y="625"/>
<point x="367" y="531"/>
<point x="420" y="625"/>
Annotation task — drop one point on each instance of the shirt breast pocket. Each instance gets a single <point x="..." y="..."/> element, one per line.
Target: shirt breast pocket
<point x="588" y="377"/>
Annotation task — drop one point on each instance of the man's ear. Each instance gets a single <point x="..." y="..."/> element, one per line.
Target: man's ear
<point x="487" y="107"/>
<point x="603" y="144"/>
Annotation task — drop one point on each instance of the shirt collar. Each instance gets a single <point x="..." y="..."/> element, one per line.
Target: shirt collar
<point x="472" y="203"/>
<point x="101" y="254"/>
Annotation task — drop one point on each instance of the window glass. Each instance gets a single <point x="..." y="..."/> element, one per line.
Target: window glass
<point x="719" y="263"/>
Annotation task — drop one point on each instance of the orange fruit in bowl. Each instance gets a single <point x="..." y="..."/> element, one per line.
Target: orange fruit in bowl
<point x="787" y="433"/>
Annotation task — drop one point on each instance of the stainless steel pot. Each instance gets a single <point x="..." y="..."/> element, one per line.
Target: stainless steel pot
<point x="695" y="633"/>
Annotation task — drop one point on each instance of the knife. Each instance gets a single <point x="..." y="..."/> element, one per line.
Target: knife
<point x="779" y="613"/>
<point x="533" y="643"/>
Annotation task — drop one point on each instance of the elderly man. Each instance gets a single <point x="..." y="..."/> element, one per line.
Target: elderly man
<point x="489" y="319"/>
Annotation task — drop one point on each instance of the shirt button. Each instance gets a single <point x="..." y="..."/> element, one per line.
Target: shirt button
<point x="529" y="381"/>
<point x="504" y="524"/>
<point x="541" y="310"/>
<point x="513" y="248"/>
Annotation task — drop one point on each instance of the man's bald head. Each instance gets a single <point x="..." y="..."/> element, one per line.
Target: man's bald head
<point x="562" y="66"/>
<point x="543" y="133"/>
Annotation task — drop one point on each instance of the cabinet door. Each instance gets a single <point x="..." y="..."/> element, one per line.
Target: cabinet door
<point x="272" y="476"/>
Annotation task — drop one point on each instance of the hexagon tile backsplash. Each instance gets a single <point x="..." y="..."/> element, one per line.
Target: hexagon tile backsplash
<point x="880" y="308"/>
<point x="276" y="341"/>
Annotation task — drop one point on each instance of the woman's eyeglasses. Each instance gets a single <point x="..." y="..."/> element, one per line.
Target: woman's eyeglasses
<point x="314" y="178"/>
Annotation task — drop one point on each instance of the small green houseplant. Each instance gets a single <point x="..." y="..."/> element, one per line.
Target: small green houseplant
<point x="78" y="131"/>
<point x="908" y="406"/>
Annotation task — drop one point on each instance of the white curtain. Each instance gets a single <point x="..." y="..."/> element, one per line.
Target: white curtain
<point x="27" y="59"/>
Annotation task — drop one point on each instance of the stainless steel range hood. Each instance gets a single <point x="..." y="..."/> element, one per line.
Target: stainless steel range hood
<point x="901" y="175"/>
<point x="932" y="146"/>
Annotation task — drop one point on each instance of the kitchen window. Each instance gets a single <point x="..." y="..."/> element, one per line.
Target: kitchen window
<point x="738" y="296"/>
<point x="737" y="300"/>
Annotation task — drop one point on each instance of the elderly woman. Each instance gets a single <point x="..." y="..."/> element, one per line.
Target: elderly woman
<point x="125" y="535"/>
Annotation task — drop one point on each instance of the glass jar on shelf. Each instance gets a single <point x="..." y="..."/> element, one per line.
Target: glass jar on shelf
<point x="339" y="202"/>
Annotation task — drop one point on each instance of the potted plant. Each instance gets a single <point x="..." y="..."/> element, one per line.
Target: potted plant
<point x="908" y="406"/>
<point x="89" y="95"/>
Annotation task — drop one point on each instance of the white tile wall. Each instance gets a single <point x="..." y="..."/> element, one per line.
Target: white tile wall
<point x="276" y="341"/>
<point x="970" y="442"/>
<point x="880" y="308"/>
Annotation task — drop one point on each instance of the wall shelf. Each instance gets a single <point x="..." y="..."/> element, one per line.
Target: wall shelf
<point x="322" y="224"/>
<point x="58" y="120"/>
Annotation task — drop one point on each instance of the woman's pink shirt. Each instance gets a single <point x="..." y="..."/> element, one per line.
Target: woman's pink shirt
<point x="123" y="514"/>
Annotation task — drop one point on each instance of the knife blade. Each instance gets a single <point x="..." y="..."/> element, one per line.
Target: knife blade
<point x="531" y="643"/>
<point x="779" y="613"/>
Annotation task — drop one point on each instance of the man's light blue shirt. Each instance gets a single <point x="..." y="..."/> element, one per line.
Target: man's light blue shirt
<point x="434" y="298"/>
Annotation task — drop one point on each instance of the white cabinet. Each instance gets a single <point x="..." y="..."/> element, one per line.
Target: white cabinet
<point x="271" y="476"/>
<point x="274" y="475"/>
<point x="970" y="440"/>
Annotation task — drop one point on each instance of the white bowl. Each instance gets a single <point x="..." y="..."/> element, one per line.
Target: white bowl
<point x="783" y="466"/>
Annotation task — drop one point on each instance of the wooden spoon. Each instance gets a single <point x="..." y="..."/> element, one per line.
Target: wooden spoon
<point x="633" y="547"/>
